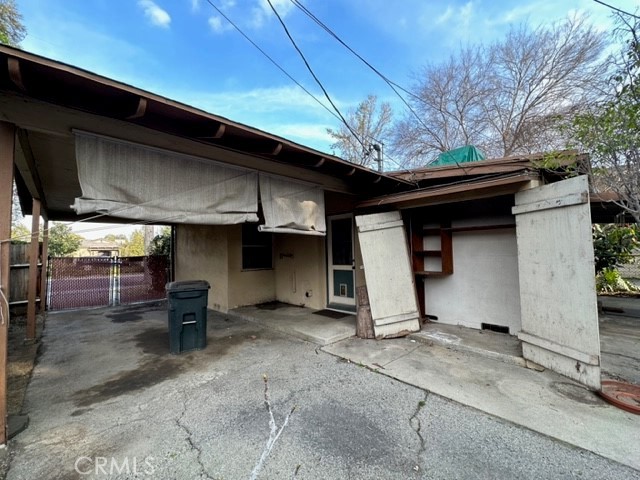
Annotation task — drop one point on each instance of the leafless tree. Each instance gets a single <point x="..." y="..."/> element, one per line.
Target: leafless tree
<point x="370" y="122"/>
<point x="506" y="98"/>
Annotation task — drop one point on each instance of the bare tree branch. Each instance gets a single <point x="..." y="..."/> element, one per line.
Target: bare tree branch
<point x="371" y="122"/>
<point x="509" y="97"/>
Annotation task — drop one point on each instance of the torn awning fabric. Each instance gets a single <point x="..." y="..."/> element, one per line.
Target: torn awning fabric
<point x="291" y="207"/>
<point x="128" y="180"/>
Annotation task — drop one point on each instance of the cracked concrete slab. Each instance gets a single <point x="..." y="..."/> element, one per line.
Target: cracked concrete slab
<point x="542" y="401"/>
<point x="205" y="417"/>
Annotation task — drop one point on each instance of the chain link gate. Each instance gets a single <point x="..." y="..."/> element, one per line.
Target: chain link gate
<point x="82" y="282"/>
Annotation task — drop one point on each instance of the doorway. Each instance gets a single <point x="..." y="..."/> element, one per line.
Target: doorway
<point x="341" y="263"/>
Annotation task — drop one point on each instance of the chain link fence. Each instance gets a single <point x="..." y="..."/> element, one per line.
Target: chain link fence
<point x="81" y="282"/>
<point x="631" y="271"/>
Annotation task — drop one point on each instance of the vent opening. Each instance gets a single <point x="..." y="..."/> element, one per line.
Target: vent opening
<point x="495" y="328"/>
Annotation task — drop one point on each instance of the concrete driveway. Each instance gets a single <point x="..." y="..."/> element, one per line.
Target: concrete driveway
<point x="107" y="401"/>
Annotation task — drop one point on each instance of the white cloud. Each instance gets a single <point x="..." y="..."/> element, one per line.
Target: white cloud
<point x="445" y="16"/>
<point x="156" y="15"/>
<point x="304" y="132"/>
<point x="466" y="12"/>
<point x="218" y="24"/>
<point x="262" y="11"/>
<point x="195" y="5"/>
<point x="233" y="103"/>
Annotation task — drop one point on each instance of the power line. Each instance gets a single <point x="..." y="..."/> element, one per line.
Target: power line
<point x="277" y="65"/>
<point x="393" y="85"/>
<point x="315" y="77"/>
<point x="616" y="9"/>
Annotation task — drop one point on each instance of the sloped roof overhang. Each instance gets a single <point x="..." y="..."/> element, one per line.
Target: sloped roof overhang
<point x="471" y="189"/>
<point x="47" y="99"/>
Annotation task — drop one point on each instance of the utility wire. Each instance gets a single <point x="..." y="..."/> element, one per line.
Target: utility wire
<point x="315" y="77"/>
<point x="393" y="85"/>
<point x="268" y="57"/>
<point x="344" y="121"/>
<point x="279" y="67"/>
<point x="617" y="9"/>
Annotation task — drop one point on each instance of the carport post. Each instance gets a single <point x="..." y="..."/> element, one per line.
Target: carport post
<point x="34" y="250"/>
<point x="7" y="144"/>
<point x="45" y="266"/>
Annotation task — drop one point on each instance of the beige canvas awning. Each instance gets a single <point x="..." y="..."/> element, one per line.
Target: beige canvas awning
<point x="128" y="180"/>
<point x="291" y="207"/>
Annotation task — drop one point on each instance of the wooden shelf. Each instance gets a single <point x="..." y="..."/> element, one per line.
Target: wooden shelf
<point x="428" y="253"/>
<point x="423" y="273"/>
<point x="471" y="228"/>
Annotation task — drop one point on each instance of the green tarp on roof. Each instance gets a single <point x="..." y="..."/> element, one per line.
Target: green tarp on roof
<point x="465" y="154"/>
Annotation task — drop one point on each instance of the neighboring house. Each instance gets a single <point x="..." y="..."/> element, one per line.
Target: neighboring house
<point x="98" y="248"/>
<point x="483" y="244"/>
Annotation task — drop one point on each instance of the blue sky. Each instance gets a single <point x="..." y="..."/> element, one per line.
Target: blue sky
<point x="184" y="50"/>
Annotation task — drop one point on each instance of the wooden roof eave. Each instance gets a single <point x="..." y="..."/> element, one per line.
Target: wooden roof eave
<point x="457" y="192"/>
<point x="493" y="166"/>
<point x="157" y="112"/>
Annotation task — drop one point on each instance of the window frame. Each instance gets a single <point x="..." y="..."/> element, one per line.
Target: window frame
<point x="265" y="245"/>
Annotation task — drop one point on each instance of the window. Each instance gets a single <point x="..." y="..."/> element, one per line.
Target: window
<point x="257" y="251"/>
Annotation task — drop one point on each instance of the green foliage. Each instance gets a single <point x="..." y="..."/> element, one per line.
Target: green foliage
<point x="134" y="246"/>
<point x="564" y="162"/>
<point x="161" y="244"/>
<point x="20" y="233"/>
<point x="613" y="245"/>
<point x="610" y="132"/>
<point x="12" y="30"/>
<point x="62" y="240"/>
<point x="610" y="281"/>
<point x="112" y="238"/>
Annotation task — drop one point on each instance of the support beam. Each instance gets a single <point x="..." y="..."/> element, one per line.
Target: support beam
<point x="45" y="266"/>
<point x="34" y="251"/>
<point x="7" y="148"/>
<point x="277" y="149"/>
<point x="140" y="110"/>
<point x="15" y="74"/>
<point x="220" y="132"/>
<point x="28" y="169"/>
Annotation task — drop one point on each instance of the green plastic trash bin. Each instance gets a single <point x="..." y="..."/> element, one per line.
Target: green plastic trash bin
<point x="187" y="315"/>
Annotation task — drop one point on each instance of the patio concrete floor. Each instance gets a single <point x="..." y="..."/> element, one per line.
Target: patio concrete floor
<point x="299" y="322"/>
<point x="105" y="386"/>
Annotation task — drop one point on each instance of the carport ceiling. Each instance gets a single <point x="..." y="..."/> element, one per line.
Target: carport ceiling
<point x="48" y="100"/>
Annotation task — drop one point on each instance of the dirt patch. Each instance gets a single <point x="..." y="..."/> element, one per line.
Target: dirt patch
<point x="132" y="313"/>
<point x="577" y="393"/>
<point x="148" y="373"/>
<point x="125" y="317"/>
<point x="21" y="360"/>
<point x="158" y="366"/>
<point x="153" y="341"/>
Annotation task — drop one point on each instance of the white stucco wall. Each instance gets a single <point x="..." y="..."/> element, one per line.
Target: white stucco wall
<point x="484" y="286"/>
<point x="214" y="254"/>
<point x="300" y="270"/>
<point x="201" y="254"/>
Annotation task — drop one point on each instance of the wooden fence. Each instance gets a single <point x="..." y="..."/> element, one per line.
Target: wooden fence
<point x="19" y="277"/>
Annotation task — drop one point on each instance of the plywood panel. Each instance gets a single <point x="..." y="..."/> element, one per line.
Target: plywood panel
<point x="557" y="284"/>
<point x="387" y="270"/>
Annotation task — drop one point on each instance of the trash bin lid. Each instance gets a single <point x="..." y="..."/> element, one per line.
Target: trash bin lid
<point x="185" y="285"/>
